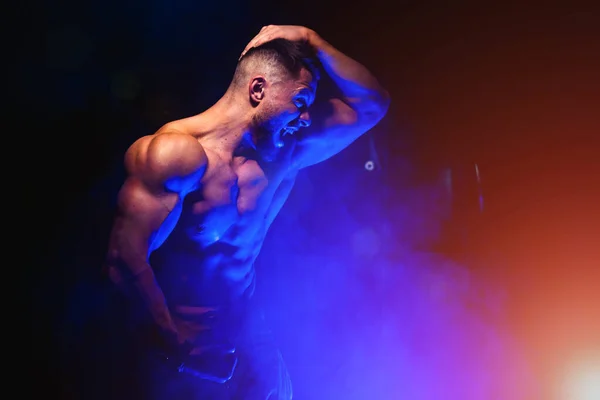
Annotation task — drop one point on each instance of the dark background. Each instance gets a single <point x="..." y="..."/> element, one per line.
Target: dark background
<point x="512" y="88"/>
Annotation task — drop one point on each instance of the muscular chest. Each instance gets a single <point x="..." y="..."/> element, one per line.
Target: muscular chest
<point x="233" y="199"/>
<point x="241" y="186"/>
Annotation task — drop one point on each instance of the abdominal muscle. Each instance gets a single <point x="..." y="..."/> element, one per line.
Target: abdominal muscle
<point x="217" y="274"/>
<point x="200" y="281"/>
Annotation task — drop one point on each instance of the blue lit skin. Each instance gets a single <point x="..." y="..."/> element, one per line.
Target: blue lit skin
<point x="284" y="112"/>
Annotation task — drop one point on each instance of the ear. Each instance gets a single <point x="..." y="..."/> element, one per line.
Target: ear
<point x="256" y="89"/>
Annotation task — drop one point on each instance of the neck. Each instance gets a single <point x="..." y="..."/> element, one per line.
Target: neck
<point x="227" y="125"/>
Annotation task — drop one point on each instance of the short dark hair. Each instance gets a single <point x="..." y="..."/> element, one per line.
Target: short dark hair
<point x="290" y="56"/>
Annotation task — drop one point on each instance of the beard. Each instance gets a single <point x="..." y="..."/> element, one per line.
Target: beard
<point x="268" y="131"/>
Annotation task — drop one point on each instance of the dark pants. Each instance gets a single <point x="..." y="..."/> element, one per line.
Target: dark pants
<point x="260" y="373"/>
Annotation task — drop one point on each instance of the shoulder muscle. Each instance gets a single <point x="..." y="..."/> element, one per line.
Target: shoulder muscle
<point x="171" y="161"/>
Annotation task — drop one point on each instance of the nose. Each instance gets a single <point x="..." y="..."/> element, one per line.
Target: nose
<point x="305" y="119"/>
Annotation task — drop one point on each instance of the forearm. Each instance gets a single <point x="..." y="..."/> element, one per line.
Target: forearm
<point x="360" y="89"/>
<point x="137" y="279"/>
<point x="154" y="300"/>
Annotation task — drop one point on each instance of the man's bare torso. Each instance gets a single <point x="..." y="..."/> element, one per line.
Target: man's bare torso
<point x="208" y="259"/>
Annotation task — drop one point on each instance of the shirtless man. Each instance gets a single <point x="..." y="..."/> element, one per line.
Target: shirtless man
<point x="199" y="198"/>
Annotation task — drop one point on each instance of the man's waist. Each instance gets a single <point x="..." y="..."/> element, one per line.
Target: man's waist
<point x="212" y="324"/>
<point x="201" y="289"/>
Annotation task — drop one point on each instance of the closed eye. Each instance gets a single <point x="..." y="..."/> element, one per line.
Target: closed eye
<point x="300" y="103"/>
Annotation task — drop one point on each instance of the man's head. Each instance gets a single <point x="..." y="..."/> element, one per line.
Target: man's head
<point x="279" y="81"/>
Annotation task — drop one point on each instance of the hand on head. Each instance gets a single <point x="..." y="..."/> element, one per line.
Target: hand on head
<point x="293" y="33"/>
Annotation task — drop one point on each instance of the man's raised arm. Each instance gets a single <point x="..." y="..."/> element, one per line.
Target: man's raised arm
<point x="336" y="122"/>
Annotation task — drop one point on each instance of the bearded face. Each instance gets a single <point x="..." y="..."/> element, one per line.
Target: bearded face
<point x="282" y="112"/>
<point x="270" y="128"/>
